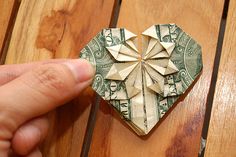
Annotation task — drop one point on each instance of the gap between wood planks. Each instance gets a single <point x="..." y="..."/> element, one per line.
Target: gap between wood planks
<point x="211" y="93"/>
<point x="7" y="38"/>
<point x="96" y="103"/>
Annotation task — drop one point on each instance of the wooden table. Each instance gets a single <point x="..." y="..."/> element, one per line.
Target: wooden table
<point x="42" y="29"/>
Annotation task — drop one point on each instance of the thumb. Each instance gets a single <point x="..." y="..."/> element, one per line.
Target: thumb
<point x="43" y="89"/>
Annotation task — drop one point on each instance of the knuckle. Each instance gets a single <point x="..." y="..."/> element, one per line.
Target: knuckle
<point x="52" y="77"/>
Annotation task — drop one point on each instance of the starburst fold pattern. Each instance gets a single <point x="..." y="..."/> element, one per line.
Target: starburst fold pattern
<point x="153" y="66"/>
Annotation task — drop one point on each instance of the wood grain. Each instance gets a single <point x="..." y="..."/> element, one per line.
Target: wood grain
<point x="178" y="135"/>
<point x="6" y="7"/>
<point x="221" y="140"/>
<point x="59" y="29"/>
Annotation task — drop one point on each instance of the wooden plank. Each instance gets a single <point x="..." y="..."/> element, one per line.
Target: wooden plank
<point x="221" y="140"/>
<point x="7" y="9"/>
<point x="55" y="29"/>
<point x="179" y="133"/>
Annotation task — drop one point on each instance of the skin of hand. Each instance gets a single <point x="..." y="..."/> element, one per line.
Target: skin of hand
<point x="28" y="92"/>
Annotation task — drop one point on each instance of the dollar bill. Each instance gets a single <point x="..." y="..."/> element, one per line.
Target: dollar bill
<point x="142" y="86"/>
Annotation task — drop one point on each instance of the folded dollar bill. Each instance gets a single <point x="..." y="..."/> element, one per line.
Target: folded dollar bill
<point x="143" y="85"/>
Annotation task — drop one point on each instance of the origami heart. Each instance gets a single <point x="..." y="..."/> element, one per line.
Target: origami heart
<point x="142" y="86"/>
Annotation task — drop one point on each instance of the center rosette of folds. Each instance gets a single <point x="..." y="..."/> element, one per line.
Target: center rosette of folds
<point x="138" y="70"/>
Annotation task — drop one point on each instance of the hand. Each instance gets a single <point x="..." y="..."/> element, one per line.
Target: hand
<point x="28" y="92"/>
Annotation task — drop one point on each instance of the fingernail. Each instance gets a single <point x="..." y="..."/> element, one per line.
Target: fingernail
<point x="81" y="69"/>
<point x="31" y="131"/>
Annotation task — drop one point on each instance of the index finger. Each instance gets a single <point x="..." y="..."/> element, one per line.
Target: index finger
<point x="12" y="71"/>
